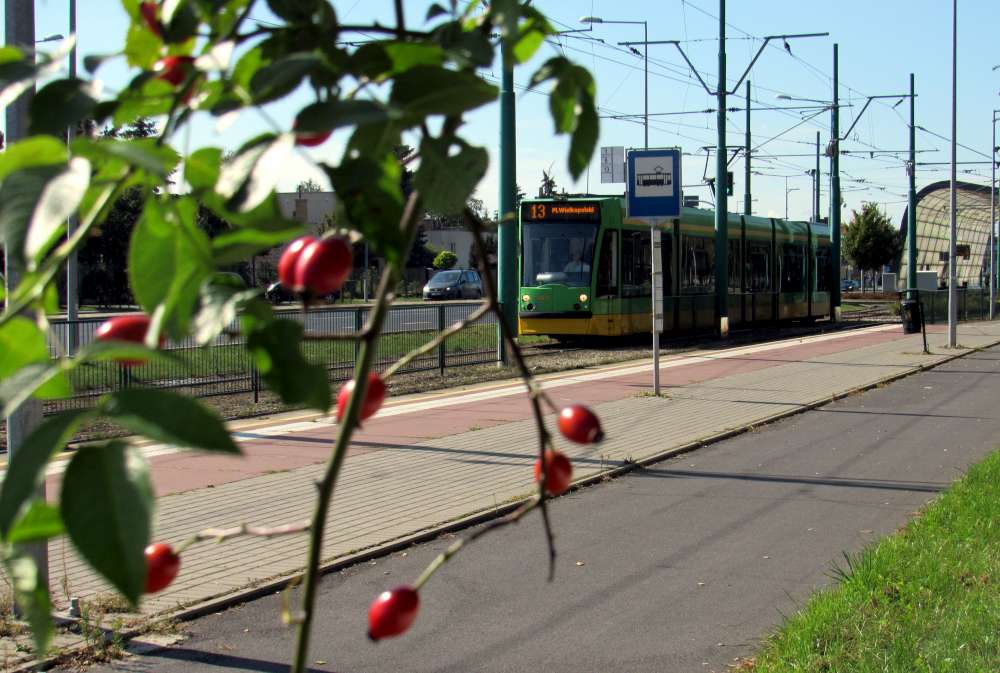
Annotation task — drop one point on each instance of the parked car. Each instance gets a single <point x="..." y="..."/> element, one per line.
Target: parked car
<point x="454" y="284"/>
<point x="848" y="285"/>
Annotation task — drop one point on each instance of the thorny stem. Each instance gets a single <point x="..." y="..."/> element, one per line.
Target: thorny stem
<point x="453" y="549"/>
<point x="544" y="439"/>
<point x="222" y="534"/>
<point x="437" y="340"/>
<point x="326" y="486"/>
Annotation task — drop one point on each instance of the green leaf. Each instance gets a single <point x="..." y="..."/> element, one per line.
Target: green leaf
<point x="58" y="200"/>
<point x="573" y="109"/>
<point x="428" y="90"/>
<point x="25" y="472"/>
<point x="334" y="114"/>
<point x="32" y="153"/>
<point x="41" y="521"/>
<point x="169" y="258"/>
<point x="235" y="246"/>
<point x="32" y="596"/>
<point x="251" y="176"/>
<point x="222" y="295"/>
<point x="170" y="418"/>
<point x="145" y="96"/>
<point x="275" y="346"/>
<point x="106" y="504"/>
<point x="584" y="139"/>
<point x="381" y="60"/>
<point x="447" y="180"/>
<point x="29" y="380"/>
<point x="106" y="351"/>
<point x="373" y="200"/>
<point x="61" y="104"/>
<point x="142" y="153"/>
<point x="283" y="76"/>
<point x="201" y="169"/>
<point x="142" y="48"/>
<point x="23" y="343"/>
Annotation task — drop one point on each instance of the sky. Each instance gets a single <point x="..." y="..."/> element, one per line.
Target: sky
<point x="880" y="43"/>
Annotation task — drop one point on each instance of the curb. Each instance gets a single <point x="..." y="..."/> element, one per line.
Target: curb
<point x="268" y="587"/>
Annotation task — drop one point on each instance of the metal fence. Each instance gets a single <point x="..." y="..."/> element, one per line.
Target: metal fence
<point x="973" y="304"/>
<point x="226" y="367"/>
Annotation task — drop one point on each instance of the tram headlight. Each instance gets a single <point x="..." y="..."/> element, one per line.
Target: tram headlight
<point x="526" y="298"/>
<point x="584" y="298"/>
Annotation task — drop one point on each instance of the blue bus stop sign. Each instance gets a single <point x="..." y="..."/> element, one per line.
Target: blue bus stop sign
<point x="654" y="183"/>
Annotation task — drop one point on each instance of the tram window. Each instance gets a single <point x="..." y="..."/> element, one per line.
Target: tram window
<point x="697" y="264"/>
<point x="637" y="265"/>
<point x="607" y="267"/>
<point x="823" y="269"/>
<point x="758" y="267"/>
<point x="557" y="253"/>
<point x="735" y="264"/>
<point x="793" y="262"/>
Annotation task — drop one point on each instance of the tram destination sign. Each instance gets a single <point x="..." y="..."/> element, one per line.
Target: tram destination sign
<point x="654" y="183"/>
<point x="578" y="211"/>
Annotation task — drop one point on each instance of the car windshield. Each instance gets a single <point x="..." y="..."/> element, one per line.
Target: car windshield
<point x="557" y="252"/>
<point x="445" y="278"/>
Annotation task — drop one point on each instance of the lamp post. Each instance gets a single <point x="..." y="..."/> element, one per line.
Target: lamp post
<point x="787" y="191"/>
<point x="993" y="217"/>
<point x="645" y="95"/>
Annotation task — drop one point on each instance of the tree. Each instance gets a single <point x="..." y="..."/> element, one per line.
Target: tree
<point x="870" y="241"/>
<point x="445" y="259"/>
<point x="176" y="268"/>
<point x="309" y="186"/>
<point x="491" y="253"/>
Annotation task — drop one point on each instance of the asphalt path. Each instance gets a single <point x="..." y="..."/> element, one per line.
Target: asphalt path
<point x="683" y="566"/>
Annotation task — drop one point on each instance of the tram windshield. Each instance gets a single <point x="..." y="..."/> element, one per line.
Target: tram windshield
<point x="558" y="252"/>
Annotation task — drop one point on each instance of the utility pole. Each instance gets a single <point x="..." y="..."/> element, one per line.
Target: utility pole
<point x="994" y="273"/>
<point x="911" y="198"/>
<point x="816" y="196"/>
<point x="746" y="157"/>
<point x="19" y="26"/>
<point x="507" y="225"/>
<point x="72" y="269"/>
<point x="835" y="190"/>
<point x="721" y="187"/>
<point x="952" y="239"/>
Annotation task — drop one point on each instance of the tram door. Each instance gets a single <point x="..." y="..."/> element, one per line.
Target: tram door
<point x="607" y="302"/>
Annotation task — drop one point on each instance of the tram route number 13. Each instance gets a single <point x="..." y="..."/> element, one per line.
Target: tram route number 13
<point x="538" y="211"/>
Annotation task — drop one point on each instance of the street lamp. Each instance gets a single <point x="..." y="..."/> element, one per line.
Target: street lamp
<point x="51" y="38"/>
<point x="645" y="38"/>
<point x="787" y="191"/>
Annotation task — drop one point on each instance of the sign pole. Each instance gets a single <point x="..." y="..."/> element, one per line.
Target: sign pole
<point x="656" y="287"/>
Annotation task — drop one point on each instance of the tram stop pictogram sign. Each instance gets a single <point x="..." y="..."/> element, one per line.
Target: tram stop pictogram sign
<point x="654" y="183"/>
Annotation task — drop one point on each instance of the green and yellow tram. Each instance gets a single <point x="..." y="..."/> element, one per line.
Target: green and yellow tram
<point x="586" y="270"/>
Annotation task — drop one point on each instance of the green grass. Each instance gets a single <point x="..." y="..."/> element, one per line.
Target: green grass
<point x="233" y="360"/>
<point x="848" y="307"/>
<point x="926" y="599"/>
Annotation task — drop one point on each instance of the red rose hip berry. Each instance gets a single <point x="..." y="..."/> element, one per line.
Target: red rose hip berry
<point x="374" y="396"/>
<point x="286" y="265"/>
<point x="558" y="472"/>
<point x="323" y="266"/>
<point x="131" y="328"/>
<point x="162" y="566"/>
<point x="174" y="69"/>
<point x="579" y="424"/>
<point x="311" y="139"/>
<point x="149" y="12"/>
<point x="392" y="612"/>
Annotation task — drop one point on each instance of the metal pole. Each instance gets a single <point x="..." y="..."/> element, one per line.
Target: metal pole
<point x="721" y="207"/>
<point x="364" y="278"/>
<point x="911" y="200"/>
<point x="994" y="274"/>
<point x="746" y="156"/>
<point x="993" y="219"/>
<point x="507" y="261"/>
<point x="816" y="183"/>
<point x="19" y="26"/>
<point x="72" y="269"/>
<point x="835" y="189"/>
<point x="952" y="244"/>
<point x="645" y="88"/>
<point x="786" y="197"/>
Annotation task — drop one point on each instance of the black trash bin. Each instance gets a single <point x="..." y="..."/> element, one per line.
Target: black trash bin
<point x="910" y="312"/>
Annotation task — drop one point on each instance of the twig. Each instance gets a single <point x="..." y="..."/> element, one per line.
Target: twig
<point x="453" y="549"/>
<point x="378" y="28"/>
<point x="400" y="20"/>
<point x="325" y="487"/>
<point x="221" y="534"/>
<point x="437" y="340"/>
<point x="544" y="439"/>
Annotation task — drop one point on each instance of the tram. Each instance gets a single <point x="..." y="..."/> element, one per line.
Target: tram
<point x="586" y="269"/>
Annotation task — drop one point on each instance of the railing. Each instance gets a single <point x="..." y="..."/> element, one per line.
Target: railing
<point x="226" y="368"/>
<point x="973" y="304"/>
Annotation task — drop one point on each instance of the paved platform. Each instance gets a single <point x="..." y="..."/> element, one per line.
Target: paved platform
<point x="430" y="459"/>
